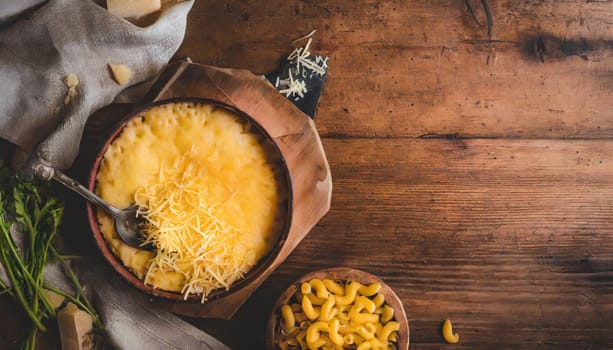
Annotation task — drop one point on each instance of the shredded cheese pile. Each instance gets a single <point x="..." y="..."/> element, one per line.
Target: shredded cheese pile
<point x="207" y="190"/>
<point x="303" y="66"/>
<point x="301" y="56"/>
<point x="294" y="87"/>
<point x="189" y="231"/>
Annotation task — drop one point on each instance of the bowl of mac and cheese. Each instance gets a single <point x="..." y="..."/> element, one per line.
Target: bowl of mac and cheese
<point x="212" y="188"/>
<point x="338" y="308"/>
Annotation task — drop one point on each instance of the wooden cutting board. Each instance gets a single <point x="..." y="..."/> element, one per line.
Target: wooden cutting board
<point x="297" y="139"/>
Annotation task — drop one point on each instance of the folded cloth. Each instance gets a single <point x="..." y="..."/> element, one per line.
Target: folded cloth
<point x="130" y="319"/>
<point x="63" y="37"/>
<point x="12" y="9"/>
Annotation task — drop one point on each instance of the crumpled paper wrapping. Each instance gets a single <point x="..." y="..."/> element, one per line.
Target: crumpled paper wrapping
<point x="37" y="50"/>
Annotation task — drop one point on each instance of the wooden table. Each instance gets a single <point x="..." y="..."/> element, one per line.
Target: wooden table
<point x="471" y="147"/>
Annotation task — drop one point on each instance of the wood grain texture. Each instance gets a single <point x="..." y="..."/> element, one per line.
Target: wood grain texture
<point x="473" y="171"/>
<point x="510" y="239"/>
<point x="456" y="177"/>
<point x="429" y="66"/>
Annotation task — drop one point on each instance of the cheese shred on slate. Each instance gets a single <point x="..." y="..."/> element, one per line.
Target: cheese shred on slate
<point x="303" y="66"/>
<point x="209" y="193"/>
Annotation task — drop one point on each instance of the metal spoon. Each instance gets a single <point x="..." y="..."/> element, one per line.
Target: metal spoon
<point x="127" y="223"/>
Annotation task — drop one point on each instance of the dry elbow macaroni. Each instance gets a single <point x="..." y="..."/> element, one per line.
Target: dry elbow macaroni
<point x="327" y="314"/>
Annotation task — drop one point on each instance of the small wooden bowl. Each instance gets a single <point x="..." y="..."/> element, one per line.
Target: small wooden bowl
<point x="341" y="274"/>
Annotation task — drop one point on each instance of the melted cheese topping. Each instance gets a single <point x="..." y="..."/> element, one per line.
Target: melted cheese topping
<point x="210" y="196"/>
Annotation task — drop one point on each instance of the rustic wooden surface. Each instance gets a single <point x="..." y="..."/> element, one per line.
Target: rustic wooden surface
<point x="472" y="163"/>
<point x="473" y="172"/>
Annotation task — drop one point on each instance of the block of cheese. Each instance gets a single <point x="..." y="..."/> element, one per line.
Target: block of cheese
<point x="75" y="328"/>
<point x="133" y="8"/>
<point x="54" y="299"/>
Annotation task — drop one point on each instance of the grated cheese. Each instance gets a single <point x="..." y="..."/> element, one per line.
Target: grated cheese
<point x="297" y="87"/>
<point x="188" y="231"/>
<point x="195" y="172"/>
<point x="301" y="56"/>
<point x="303" y="66"/>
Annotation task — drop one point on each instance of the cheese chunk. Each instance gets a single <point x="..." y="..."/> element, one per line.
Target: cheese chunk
<point x="71" y="80"/>
<point x="54" y="299"/>
<point x="75" y="328"/>
<point x="133" y="8"/>
<point x="121" y="73"/>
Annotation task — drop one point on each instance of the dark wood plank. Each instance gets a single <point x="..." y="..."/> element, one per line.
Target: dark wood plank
<point x="511" y="239"/>
<point x="413" y="68"/>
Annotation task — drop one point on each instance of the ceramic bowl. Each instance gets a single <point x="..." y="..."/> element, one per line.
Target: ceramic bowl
<point x="116" y="263"/>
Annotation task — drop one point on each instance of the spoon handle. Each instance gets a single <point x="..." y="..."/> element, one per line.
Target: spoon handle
<point x="47" y="172"/>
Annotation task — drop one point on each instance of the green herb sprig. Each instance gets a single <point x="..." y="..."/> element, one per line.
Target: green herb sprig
<point x="37" y="217"/>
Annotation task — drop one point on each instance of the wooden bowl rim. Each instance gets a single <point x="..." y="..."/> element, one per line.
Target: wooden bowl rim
<point x="341" y="273"/>
<point x="118" y="265"/>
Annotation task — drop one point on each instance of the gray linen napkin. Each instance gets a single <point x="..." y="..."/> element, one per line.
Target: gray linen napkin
<point x="130" y="319"/>
<point x="11" y="9"/>
<point x="72" y="37"/>
<point x="38" y="49"/>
